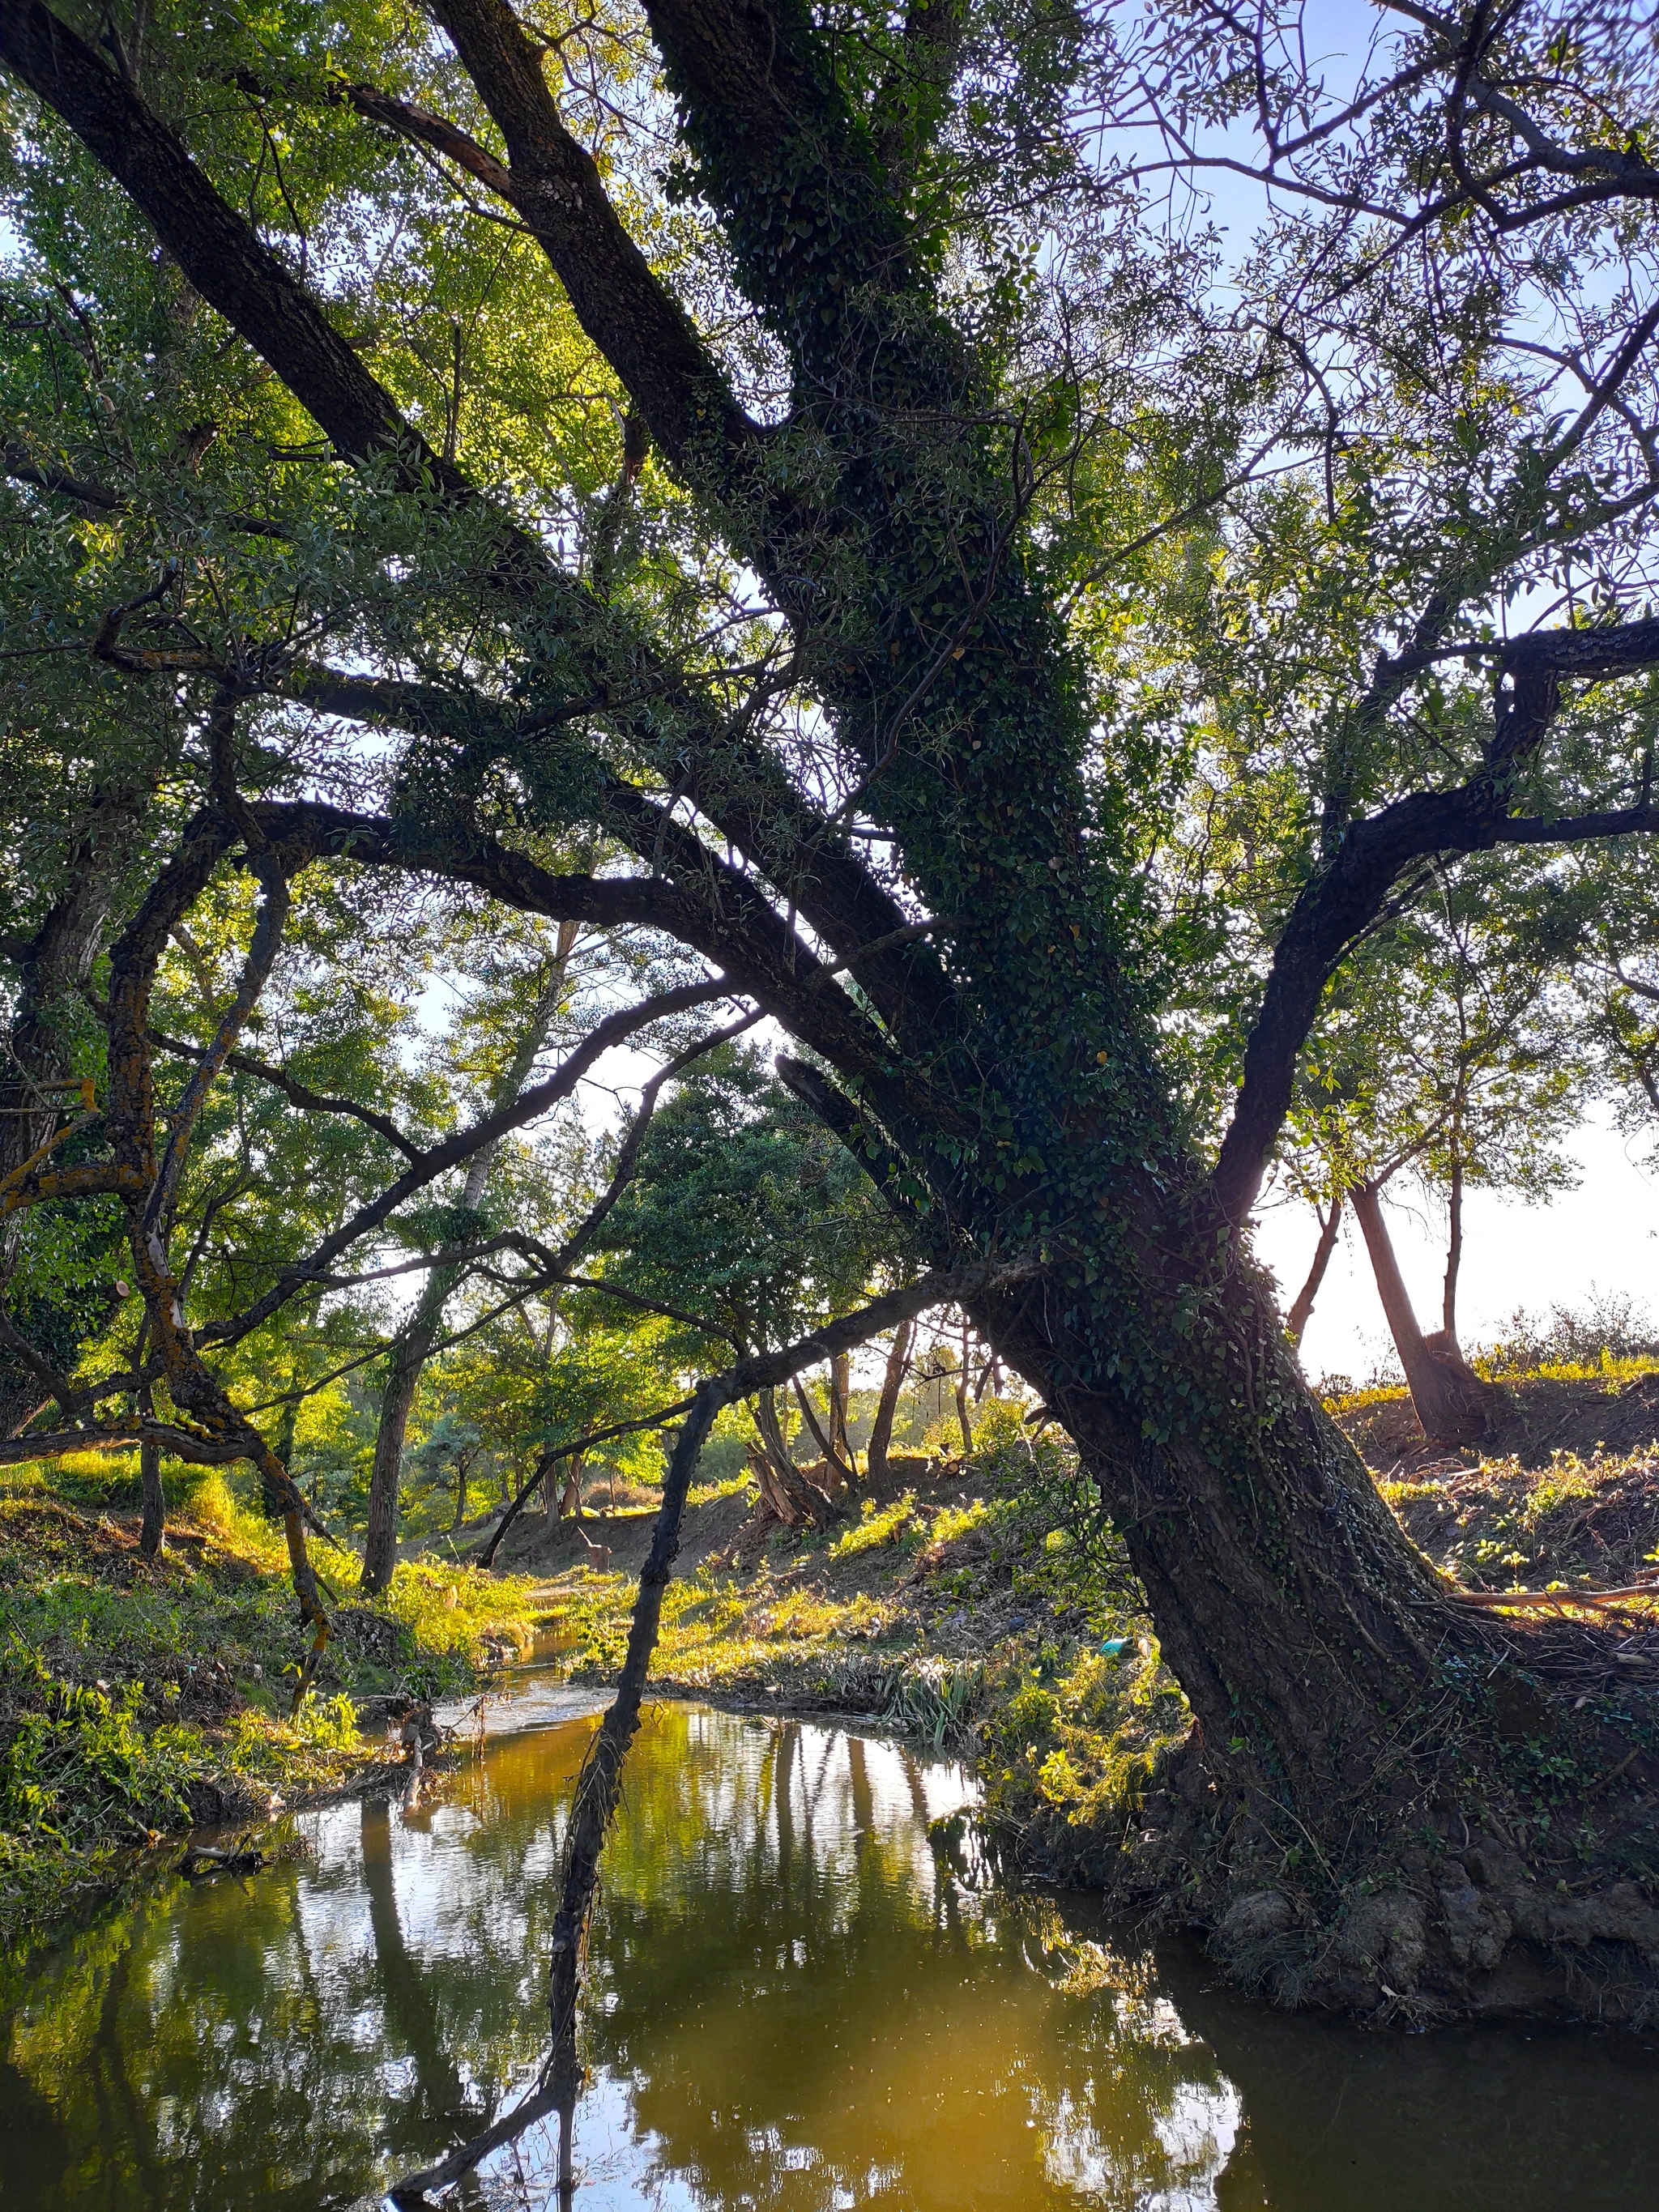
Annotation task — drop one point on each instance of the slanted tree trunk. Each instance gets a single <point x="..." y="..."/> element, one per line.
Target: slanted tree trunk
<point x="892" y="1382"/>
<point x="1302" y="1305"/>
<point x="1309" y="1642"/>
<point x="1451" y="1402"/>
<point x="839" y="1469"/>
<point x="802" y="1500"/>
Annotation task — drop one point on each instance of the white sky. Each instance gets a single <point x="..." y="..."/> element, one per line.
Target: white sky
<point x="1602" y="1237"/>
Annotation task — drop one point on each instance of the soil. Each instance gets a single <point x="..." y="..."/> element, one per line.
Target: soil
<point x="1541" y="1416"/>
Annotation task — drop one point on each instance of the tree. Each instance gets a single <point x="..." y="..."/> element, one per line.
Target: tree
<point x="748" y="1214"/>
<point x="934" y="522"/>
<point x="1450" y="1056"/>
<point x="413" y="1346"/>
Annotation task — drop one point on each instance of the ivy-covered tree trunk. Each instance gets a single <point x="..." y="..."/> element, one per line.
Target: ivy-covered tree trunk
<point x="1003" y="1066"/>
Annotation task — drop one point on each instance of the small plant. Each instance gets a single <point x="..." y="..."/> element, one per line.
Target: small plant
<point x="876" y="1524"/>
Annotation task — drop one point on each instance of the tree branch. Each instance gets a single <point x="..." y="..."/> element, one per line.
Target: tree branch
<point x="1341" y="901"/>
<point x="487" y="1130"/>
<point x="313" y="1102"/>
<point x="554" y="184"/>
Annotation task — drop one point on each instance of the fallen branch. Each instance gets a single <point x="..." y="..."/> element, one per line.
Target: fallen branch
<point x="1490" y="1599"/>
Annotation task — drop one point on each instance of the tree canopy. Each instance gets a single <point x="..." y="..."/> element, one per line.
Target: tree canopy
<point x="1012" y="541"/>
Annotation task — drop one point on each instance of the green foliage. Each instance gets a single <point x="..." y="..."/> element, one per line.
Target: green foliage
<point x="134" y="1700"/>
<point x="1083" y="1746"/>
<point x="79" y="1764"/>
<point x="747" y="1212"/>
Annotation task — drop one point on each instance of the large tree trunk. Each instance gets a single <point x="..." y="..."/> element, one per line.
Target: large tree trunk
<point x="1452" y="1403"/>
<point x="892" y="1382"/>
<point x="1298" y="1618"/>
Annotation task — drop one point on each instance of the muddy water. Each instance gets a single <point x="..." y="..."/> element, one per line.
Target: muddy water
<point x="791" y="2005"/>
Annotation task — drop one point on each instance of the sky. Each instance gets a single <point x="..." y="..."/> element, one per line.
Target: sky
<point x="1600" y="1239"/>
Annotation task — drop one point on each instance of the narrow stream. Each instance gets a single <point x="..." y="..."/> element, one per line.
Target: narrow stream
<point x="792" y="2008"/>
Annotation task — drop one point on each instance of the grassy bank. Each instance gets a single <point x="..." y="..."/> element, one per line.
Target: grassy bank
<point x="979" y="1603"/>
<point x="139" y="1698"/>
<point x="984" y="1605"/>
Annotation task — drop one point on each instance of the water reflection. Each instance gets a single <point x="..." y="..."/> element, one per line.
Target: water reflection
<point x="791" y="2007"/>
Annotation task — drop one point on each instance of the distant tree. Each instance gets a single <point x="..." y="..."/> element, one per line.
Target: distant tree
<point x="748" y="1214"/>
<point x="1451" y="1057"/>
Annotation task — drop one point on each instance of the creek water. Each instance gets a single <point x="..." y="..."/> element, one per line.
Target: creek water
<point x="793" y="2005"/>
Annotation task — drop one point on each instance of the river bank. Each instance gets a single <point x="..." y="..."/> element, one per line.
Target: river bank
<point x="141" y="1698"/>
<point x="976" y="1603"/>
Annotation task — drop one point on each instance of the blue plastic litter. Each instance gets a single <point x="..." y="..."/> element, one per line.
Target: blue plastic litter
<point x="1114" y="1644"/>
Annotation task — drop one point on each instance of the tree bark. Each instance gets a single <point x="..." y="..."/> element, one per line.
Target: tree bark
<point x="892" y="1382"/>
<point x="840" y="1470"/>
<point x="1452" y="1403"/>
<point x="153" y="1527"/>
<point x="806" y="1502"/>
<point x="1297" y="1615"/>
<point x="962" y="1378"/>
<point x="840" y="1391"/>
<point x="410" y="1353"/>
<point x="1302" y="1305"/>
<point x="1454" y="1257"/>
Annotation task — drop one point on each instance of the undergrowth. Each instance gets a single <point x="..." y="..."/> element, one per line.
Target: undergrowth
<point x="138" y="1699"/>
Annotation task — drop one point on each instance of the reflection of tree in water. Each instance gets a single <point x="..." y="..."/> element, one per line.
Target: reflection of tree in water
<point x="272" y="2045"/>
<point x="806" y="2008"/>
<point x="788" y="1999"/>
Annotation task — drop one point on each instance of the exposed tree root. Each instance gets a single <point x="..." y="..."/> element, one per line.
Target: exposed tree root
<point x="1511" y="1872"/>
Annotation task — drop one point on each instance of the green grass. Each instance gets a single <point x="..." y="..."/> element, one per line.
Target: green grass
<point x="135" y="1698"/>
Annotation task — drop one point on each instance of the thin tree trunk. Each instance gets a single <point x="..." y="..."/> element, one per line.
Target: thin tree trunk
<point x="413" y="1348"/>
<point x="1454" y="1256"/>
<point x="881" y="1435"/>
<point x="962" y="1422"/>
<point x="1296" y="1321"/>
<point x="462" y="1463"/>
<point x="408" y="1357"/>
<point x="840" y="1391"/>
<point x="832" y="1459"/>
<point x="153" y="1529"/>
<point x="1453" y="1404"/>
